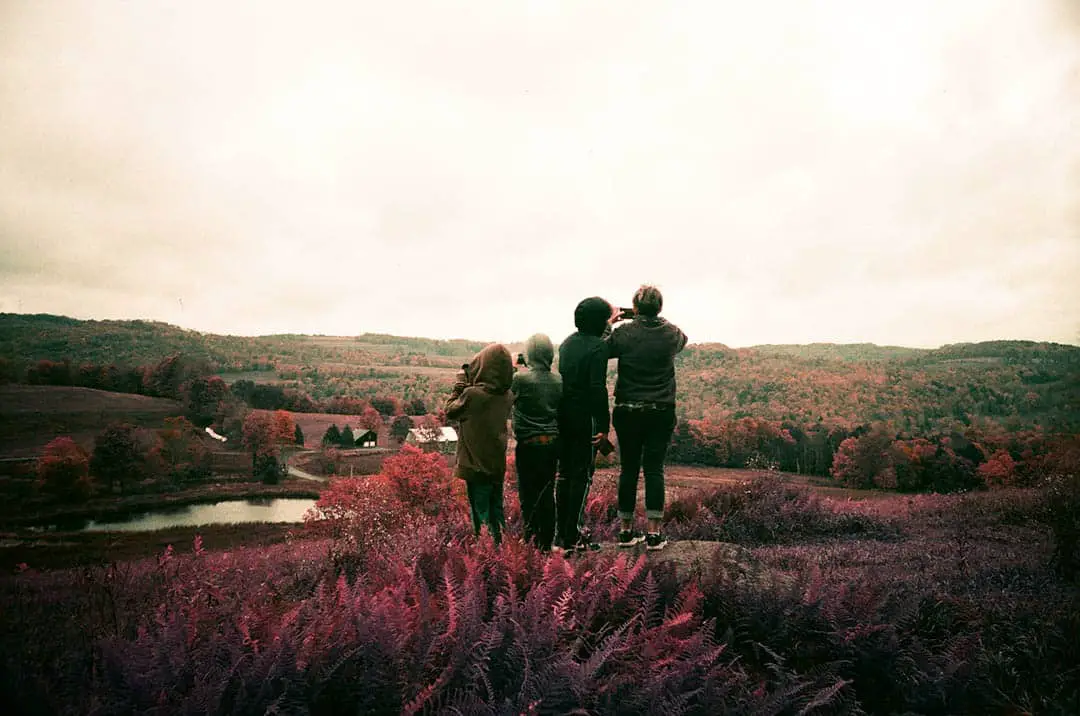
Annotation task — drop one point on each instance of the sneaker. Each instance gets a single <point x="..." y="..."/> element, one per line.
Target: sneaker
<point x="629" y="538"/>
<point x="654" y="541"/>
<point x="585" y="544"/>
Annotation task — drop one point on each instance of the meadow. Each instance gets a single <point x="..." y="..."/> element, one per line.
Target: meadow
<point x="770" y="599"/>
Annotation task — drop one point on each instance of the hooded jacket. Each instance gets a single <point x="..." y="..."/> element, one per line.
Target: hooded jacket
<point x="481" y="406"/>
<point x="583" y="362"/>
<point x="537" y="391"/>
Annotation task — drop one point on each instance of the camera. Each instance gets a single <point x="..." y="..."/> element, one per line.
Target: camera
<point x="521" y="359"/>
<point x="625" y="314"/>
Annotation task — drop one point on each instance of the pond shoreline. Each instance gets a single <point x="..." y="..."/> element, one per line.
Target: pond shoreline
<point x="102" y="509"/>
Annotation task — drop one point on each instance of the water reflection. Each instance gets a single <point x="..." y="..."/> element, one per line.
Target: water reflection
<point x="260" y="509"/>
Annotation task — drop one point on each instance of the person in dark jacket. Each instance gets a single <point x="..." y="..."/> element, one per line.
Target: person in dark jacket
<point x="644" y="414"/>
<point x="537" y="393"/>
<point x="480" y="403"/>
<point x="584" y="419"/>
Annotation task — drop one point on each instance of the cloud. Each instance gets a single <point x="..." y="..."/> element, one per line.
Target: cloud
<point x="785" y="172"/>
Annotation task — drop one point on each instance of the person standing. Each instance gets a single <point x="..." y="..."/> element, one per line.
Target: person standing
<point x="584" y="418"/>
<point x="537" y="393"/>
<point x="644" y="414"/>
<point x="481" y="403"/>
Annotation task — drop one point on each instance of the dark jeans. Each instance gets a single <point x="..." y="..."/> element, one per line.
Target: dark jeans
<point x="536" y="466"/>
<point x="486" y="505"/>
<point x="576" y="456"/>
<point x="644" y="435"/>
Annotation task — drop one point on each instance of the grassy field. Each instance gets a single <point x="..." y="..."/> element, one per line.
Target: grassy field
<point x="32" y="415"/>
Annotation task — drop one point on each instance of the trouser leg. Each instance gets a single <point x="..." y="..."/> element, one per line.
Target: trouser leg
<point x="658" y="428"/>
<point x="496" y="516"/>
<point x="571" y="485"/>
<point x="525" y="457"/>
<point x="537" y="488"/>
<point x="478" y="504"/>
<point x="628" y="429"/>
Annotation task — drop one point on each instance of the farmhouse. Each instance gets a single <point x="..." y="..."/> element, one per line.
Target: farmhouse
<point x="443" y="439"/>
<point x="366" y="439"/>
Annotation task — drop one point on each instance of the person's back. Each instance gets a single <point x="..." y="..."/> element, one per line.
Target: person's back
<point x="644" y="415"/>
<point x="537" y="392"/>
<point x="646" y="348"/>
<point x="481" y="403"/>
<point x="537" y="398"/>
<point x="584" y="417"/>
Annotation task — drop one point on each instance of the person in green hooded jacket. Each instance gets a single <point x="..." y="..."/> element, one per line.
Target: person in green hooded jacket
<point x="481" y="403"/>
<point x="537" y="395"/>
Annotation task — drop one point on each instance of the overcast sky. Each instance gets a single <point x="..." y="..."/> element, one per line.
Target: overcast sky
<point x="786" y="172"/>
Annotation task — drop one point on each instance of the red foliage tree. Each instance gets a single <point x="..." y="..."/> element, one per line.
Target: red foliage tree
<point x="64" y="470"/>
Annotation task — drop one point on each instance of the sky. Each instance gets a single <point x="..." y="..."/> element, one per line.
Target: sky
<point x="785" y="172"/>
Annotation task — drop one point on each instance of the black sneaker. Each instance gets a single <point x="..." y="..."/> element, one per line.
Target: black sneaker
<point x="585" y="544"/>
<point x="629" y="538"/>
<point x="654" y="541"/>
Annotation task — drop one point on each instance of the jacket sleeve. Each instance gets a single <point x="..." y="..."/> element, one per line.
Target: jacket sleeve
<point x="614" y="340"/>
<point x="598" y="395"/>
<point x="680" y="343"/>
<point x="456" y="404"/>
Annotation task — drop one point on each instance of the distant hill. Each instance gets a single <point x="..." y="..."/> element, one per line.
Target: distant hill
<point x="1015" y="384"/>
<point x="840" y="351"/>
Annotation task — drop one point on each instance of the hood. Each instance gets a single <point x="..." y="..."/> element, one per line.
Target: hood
<point x="492" y="368"/>
<point x="539" y="351"/>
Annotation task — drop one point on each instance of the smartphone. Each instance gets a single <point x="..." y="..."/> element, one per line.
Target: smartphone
<point x="625" y="313"/>
<point x="605" y="446"/>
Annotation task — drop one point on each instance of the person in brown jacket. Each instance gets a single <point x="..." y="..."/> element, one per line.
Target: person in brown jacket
<point x="481" y="403"/>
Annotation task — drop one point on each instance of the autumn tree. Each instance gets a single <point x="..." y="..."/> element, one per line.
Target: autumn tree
<point x="64" y="470"/>
<point x="264" y="434"/>
<point x="400" y="427"/>
<point x="298" y="436"/>
<point x="386" y="405"/>
<point x="416" y="406"/>
<point x="124" y="454"/>
<point x="371" y="419"/>
<point x="202" y="400"/>
<point x="183" y="454"/>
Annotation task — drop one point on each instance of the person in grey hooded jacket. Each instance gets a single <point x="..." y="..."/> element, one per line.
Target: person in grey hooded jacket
<point x="537" y="394"/>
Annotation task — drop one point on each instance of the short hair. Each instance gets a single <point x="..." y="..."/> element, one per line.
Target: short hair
<point x="591" y="315"/>
<point x="648" y="301"/>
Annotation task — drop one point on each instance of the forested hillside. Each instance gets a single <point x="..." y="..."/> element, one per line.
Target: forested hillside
<point x="956" y="416"/>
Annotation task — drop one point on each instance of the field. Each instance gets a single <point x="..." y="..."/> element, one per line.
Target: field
<point x="32" y="415"/>
<point x="769" y="599"/>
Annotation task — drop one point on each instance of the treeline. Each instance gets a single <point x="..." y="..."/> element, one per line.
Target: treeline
<point x="875" y="456"/>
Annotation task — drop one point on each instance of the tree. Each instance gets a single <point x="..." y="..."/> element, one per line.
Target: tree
<point x="400" y="427"/>
<point x="332" y="436"/>
<point x="386" y="405"/>
<point x="298" y="436"/>
<point x="203" y="397"/>
<point x="416" y="406"/>
<point x="64" y="470"/>
<point x="347" y="440"/>
<point x="182" y="452"/>
<point x="370" y="419"/>
<point x="264" y="433"/>
<point x="123" y="454"/>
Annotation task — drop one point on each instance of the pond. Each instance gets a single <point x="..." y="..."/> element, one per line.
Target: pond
<point x="226" y="512"/>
